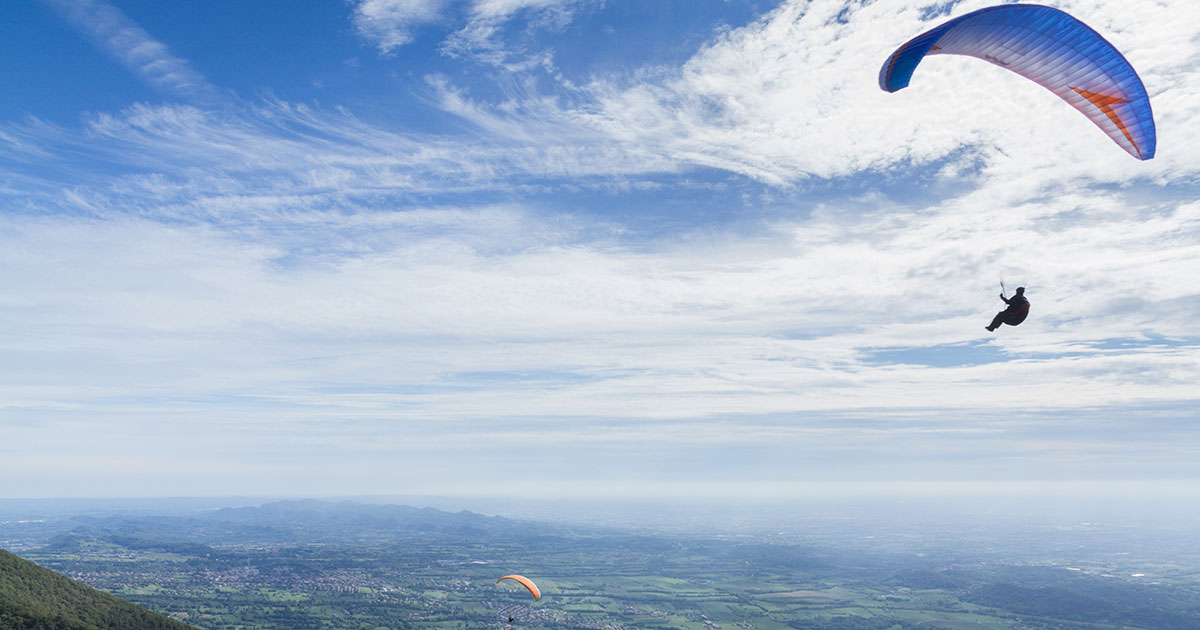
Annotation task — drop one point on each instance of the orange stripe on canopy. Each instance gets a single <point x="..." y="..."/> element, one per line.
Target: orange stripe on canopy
<point x="1105" y="102"/>
<point x="526" y="582"/>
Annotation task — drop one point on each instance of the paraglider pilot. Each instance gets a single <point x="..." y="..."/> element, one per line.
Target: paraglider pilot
<point x="1017" y="311"/>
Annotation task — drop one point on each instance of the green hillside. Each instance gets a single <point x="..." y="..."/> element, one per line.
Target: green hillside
<point x="33" y="598"/>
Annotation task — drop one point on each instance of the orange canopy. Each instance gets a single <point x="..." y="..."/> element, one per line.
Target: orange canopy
<point x="526" y="583"/>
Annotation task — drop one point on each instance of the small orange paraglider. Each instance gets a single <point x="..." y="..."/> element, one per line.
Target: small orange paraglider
<point x="526" y="582"/>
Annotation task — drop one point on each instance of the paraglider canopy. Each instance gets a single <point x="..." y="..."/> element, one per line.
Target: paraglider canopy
<point x="1052" y="49"/>
<point x="526" y="582"/>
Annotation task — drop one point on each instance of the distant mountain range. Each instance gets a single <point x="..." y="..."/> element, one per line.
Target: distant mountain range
<point x="34" y="598"/>
<point x="291" y="521"/>
<point x="308" y="513"/>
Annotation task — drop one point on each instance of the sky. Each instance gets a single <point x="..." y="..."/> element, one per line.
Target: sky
<point x="583" y="248"/>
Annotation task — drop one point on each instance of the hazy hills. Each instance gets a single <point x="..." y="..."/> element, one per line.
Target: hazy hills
<point x="292" y="521"/>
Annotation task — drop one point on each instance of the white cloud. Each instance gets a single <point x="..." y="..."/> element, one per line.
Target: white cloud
<point x="134" y="48"/>
<point x="277" y="157"/>
<point x="442" y="298"/>
<point x="481" y="37"/>
<point x="389" y="23"/>
<point x="503" y="9"/>
<point x="430" y="338"/>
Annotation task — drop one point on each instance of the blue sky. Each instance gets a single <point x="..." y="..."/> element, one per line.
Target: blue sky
<point x="542" y="247"/>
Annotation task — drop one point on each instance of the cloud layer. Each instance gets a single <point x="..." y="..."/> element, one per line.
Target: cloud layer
<point x="265" y="283"/>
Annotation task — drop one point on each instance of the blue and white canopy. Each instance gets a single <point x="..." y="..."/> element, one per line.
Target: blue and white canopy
<point x="1051" y="48"/>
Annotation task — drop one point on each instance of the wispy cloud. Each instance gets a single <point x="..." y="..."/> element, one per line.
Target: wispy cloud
<point x="480" y="37"/>
<point x="389" y="24"/>
<point x="129" y="44"/>
<point x="154" y="157"/>
<point x="477" y="25"/>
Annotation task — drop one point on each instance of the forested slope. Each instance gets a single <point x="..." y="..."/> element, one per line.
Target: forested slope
<point x="34" y="598"/>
